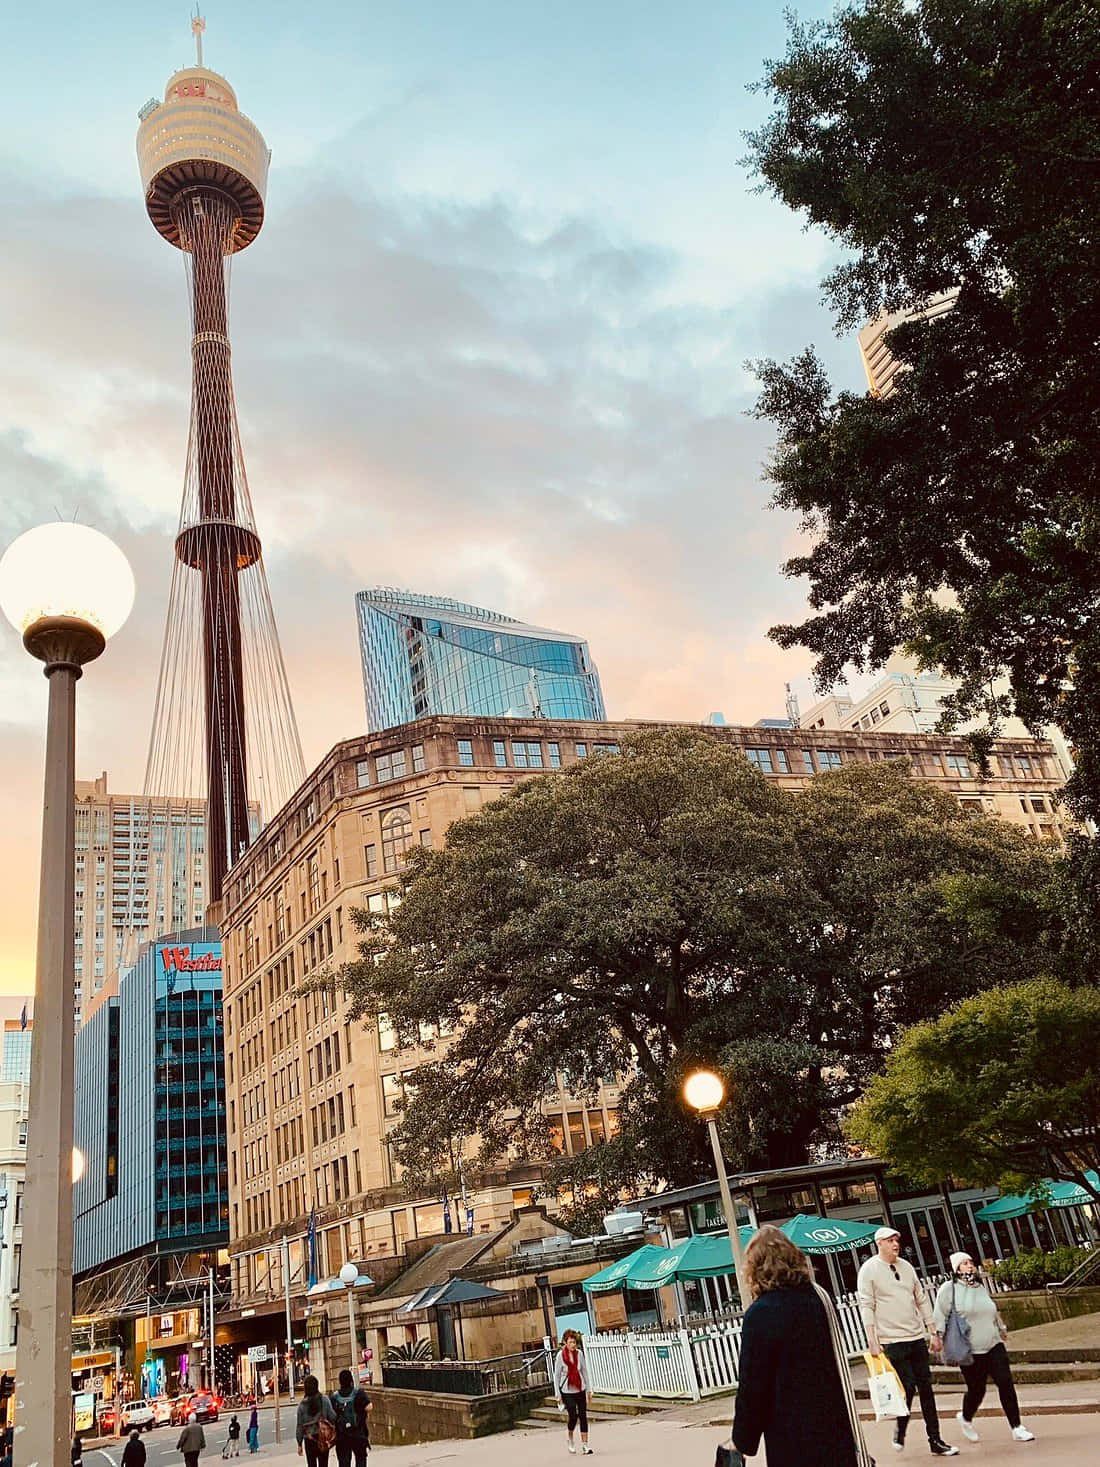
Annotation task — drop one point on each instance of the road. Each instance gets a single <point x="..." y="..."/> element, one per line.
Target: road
<point x="160" y="1444"/>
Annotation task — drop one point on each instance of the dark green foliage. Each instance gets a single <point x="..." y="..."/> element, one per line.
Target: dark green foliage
<point x="640" y="914"/>
<point x="1003" y="1089"/>
<point x="951" y="144"/>
<point x="1035" y="1269"/>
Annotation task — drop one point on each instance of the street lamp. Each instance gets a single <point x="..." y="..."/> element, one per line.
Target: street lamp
<point x="705" y="1091"/>
<point x="66" y="588"/>
<point x="349" y="1277"/>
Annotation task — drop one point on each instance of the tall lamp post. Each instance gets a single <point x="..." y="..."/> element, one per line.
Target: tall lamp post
<point x="704" y="1091"/>
<point x="349" y="1277"/>
<point x="66" y="588"/>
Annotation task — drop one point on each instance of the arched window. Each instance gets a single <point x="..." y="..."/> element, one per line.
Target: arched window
<point x="397" y="832"/>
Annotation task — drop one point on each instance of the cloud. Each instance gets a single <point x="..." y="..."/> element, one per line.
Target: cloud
<point x="445" y="396"/>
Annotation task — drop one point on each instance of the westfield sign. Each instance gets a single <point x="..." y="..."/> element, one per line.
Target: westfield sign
<point x="179" y="960"/>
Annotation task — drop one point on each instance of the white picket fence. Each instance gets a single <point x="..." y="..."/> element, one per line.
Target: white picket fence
<point x="698" y="1359"/>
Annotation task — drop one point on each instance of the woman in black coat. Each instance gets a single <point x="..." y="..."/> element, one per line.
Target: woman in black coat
<point x="790" y="1390"/>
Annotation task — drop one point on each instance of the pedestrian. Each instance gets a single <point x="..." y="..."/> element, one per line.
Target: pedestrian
<point x="254" y="1431"/>
<point x="899" y="1324"/>
<point x="573" y="1388"/>
<point x="133" y="1453"/>
<point x="965" y="1293"/>
<point x="191" y="1442"/>
<point x="793" y="1387"/>
<point x="350" y="1407"/>
<point x="316" y="1424"/>
<point x="235" y="1437"/>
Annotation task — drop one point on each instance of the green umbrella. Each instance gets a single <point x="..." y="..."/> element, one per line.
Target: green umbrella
<point x="702" y="1256"/>
<point x="622" y="1274"/>
<point x="1048" y="1194"/>
<point x="827" y="1234"/>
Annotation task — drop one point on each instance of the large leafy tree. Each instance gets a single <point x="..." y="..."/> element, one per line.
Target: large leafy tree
<point x="951" y="144"/>
<point x="644" y="912"/>
<point x="1003" y="1089"/>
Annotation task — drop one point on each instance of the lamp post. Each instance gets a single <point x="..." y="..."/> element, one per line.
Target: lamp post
<point x="349" y="1276"/>
<point x="705" y="1092"/>
<point x="66" y="588"/>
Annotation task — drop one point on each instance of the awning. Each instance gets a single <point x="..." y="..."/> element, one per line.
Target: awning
<point x="337" y="1285"/>
<point x="1051" y="1194"/>
<point x="702" y="1256"/>
<point x="619" y="1275"/>
<point x="453" y="1291"/>
<point x="827" y="1234"/>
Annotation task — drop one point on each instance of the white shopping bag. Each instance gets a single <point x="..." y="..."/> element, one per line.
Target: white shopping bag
<point x="887" y="1395"/>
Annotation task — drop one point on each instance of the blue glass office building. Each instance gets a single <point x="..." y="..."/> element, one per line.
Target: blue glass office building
<point x="424" y="655"/>
<point x="150" y="1109"/>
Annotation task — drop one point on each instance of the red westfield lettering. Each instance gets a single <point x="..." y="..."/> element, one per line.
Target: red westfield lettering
<point x="179" y="960"/>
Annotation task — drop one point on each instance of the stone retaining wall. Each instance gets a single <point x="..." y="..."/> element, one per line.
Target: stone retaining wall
<point x="1037" y="1306"/>
<point x="400" y="1417"/>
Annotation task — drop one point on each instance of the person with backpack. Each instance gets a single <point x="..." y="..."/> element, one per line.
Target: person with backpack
<point x="351" y="1406"/>
<point x="316" y="1424"/>
<point x="234" y="1438"/>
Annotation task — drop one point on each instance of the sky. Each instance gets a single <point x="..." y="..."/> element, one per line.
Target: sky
<point x="492" y="343"/>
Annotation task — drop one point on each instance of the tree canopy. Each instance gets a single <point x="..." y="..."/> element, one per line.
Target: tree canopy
<point x="641" y="913"/>
<point x="951" y="145"/>
<point x="1003" y="1089"/>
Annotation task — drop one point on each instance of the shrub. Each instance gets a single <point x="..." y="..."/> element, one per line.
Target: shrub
<point x="1035" y="1269"/>
<point x="411" y="1350"/>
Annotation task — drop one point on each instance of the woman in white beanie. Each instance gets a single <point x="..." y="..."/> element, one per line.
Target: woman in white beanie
<point x="965" y="1293"/>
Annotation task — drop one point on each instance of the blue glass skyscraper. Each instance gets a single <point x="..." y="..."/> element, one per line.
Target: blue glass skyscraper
<point x="428" y="654"/>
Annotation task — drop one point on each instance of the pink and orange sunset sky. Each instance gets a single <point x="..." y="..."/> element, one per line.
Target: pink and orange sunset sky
<point x="491" y="344"/>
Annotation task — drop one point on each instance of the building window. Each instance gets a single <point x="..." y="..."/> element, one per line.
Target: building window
<point x="829" y="758"/>
<point x="762" y="758"/>
<point x="419" y="762"/>
<point x="526" y="755"/>
<point x="581" y="751"/>
<point x="362" y="773"/>
<point x="884" y="709"/>
<point x="391" y="1095"/>
<point x="22" y="1133"/>
<point x="605" y="748"/>
<point x="16" y="1266"/>
<point x="387" y="1035"/>
<point x="958" y="764"/>
<point x="554" y="751"/>
<point x="370" y="861"/>
<point x="466" y="753"/>
<point x="397" y="834"/>
<point x="782" y="763"/>
<point x="1023" y="766"/>
<point x="500" y="754"/>
<point x="426" y="839"/>
<point x="390" y="766"/>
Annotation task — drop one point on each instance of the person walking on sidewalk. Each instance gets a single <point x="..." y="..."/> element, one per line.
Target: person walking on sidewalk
<point x="316" y="1425"/>
<point x="133" y="1454"/>
<point x="899" y="1325"/>
<point x="965" y="1293"/>
<point x="351" y="1406"/>
<point x="573" y="1388"/>
<point x="794" y="1391"/>
<point x="191" y="1442"/>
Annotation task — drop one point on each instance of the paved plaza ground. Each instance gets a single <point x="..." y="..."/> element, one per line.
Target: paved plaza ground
<point x="671" y="1439"/>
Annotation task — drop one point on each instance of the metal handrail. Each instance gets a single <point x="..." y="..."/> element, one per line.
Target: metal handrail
<point x="1084" y="1271"/>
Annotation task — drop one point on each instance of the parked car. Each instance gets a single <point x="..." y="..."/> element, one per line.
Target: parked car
<point x="137" y="1414"/>
<point x="181" y="1405"/>
<point x="105" y="1418"/>
<point x="162" y="1411"/>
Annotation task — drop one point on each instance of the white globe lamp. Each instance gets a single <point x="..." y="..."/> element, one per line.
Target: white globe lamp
<point x="65" y="581"/>
<point x="704" y="1091"/>
<point x="348" y="1274"/>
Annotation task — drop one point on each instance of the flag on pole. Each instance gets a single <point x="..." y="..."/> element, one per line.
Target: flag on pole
<point x="312" y="1240"/>
<point x="470" y="1221"/>
<point x="446" y="1212"/>
<point x="23" y="1018"/>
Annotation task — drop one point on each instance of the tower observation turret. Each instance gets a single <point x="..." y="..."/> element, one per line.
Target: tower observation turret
<point x="204" y="169"/>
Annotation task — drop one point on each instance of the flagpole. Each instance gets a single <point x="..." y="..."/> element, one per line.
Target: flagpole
<point x="289" y="1326"/>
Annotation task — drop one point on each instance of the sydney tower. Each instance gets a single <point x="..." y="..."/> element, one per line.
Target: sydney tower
<point x="223" y="715"/>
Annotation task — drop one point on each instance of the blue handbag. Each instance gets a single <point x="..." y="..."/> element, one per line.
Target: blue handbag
<point x="956" y="1336"/>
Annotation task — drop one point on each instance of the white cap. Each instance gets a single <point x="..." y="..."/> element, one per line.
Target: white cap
<point x="957" y="1258"/>
<point x="881" y="1234"/>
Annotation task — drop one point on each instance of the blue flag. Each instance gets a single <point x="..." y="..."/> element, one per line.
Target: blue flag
<point x="311" y="1238"/>
<point x="446" y="1212"/>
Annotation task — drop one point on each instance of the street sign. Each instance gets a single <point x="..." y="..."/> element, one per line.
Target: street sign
<point x="258" y="1353"/>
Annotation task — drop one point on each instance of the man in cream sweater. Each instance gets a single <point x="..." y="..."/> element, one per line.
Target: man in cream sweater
<point x="898" y="1321"/>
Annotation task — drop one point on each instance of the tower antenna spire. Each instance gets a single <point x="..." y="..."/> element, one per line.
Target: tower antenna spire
<point x="198" y="25"/>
